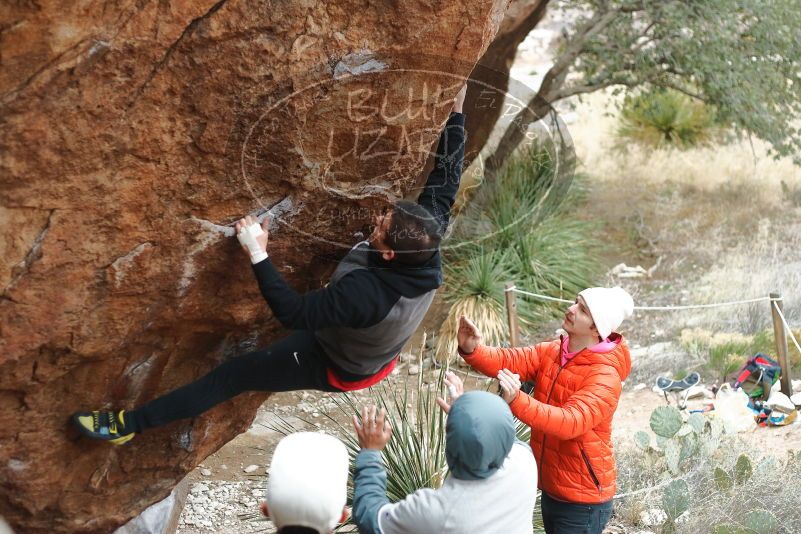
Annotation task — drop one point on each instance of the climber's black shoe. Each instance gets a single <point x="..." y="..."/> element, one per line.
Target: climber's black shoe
<point x="105" y="425"/>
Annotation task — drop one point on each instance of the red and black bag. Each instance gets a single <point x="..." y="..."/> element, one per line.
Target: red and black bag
<point x="757" y="376"/>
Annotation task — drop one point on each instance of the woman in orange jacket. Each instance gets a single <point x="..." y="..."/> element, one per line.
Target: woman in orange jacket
<point x="578" y="380"/>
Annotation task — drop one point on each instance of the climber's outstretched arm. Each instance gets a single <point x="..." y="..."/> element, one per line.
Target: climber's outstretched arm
<point x="442" y="185"/>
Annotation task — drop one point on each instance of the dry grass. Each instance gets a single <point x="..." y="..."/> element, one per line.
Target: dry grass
<point x="774" y="486"/>
<point x="724" y="222"/>
<point x="707" y="168"/>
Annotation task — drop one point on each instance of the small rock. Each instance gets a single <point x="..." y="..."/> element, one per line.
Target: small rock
<point x="251" y="468"/>
<point x="407" y="357"/>
<point x="205" y="472"/>
<point x="414" y="369"/>
<point x="697" y="392"/>
<point x="796" y="386"/>
<point x="640" y="386"/>
<point x="654" y="516"/>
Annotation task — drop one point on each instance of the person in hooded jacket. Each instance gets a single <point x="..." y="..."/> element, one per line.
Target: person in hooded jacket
<point x="578" y="381"/>
<point x="488" y="487"/>
<point x="347" y="335"/>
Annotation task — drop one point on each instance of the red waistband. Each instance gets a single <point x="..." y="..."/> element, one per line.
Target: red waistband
<point x="364" y="383"/>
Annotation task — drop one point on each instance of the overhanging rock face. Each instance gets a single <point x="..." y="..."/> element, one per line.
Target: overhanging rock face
<point x="132" y="135"/>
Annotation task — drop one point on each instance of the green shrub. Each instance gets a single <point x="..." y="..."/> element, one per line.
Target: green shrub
<point x="663" y="117"/>
<point x="726" y="352"/>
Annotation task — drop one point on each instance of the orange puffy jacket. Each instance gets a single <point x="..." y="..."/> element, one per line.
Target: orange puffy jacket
<point x="570" y="414"/>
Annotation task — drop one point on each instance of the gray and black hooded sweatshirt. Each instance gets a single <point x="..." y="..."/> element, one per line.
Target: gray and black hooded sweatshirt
<point x="371" y="307"/>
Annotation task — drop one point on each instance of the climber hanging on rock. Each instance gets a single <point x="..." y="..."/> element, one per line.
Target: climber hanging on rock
<point x="346" y="336"/>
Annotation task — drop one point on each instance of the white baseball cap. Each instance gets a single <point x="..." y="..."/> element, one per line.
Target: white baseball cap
<point x="307" y="483"/>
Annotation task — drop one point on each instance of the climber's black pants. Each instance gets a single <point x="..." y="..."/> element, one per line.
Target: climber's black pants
<point x="293" y="363"/>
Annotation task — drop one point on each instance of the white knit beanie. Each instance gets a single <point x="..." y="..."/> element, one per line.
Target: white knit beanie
<point x="308" y="480"/>
<point x="609" y="306"/>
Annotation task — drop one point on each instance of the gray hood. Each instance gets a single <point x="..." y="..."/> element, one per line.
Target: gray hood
<point x="479" y="434"/>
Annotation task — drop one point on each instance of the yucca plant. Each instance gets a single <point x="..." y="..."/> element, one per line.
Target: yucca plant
<point x="415" y="455"/>
<point x="479" y="295"/>
<point x="520" y="228"/>
<point x="555" y="259"/>
<point x="522" y="193"/>
<point x="664" y="117"/>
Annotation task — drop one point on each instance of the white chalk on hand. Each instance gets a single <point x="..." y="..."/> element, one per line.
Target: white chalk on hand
<point x="247" y="237"/>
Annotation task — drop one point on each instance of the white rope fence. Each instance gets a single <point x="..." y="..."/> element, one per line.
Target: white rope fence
<point x="514" y="289"/>
<point x="661" y="485"/>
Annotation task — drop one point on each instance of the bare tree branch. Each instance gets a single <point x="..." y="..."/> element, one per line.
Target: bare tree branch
<point x="597" y="23"/>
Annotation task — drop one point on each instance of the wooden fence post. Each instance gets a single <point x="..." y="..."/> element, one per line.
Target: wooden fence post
<point x="511" y="314"/>
<point x="781" y="342"/>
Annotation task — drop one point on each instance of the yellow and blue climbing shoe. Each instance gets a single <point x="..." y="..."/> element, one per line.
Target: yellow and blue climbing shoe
<point x="104" y="425"/>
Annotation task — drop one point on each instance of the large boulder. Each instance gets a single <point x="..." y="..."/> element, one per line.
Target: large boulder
<point x="132" y="135"/>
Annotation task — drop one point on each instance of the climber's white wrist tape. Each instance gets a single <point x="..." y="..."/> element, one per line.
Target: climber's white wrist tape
<point x="247" y="236"/>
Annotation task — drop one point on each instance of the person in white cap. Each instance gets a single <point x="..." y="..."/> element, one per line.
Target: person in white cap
<point x="307" y="484"/>
<point x="578" y="380"/>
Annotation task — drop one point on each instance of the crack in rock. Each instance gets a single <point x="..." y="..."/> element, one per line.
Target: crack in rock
<point x="34" y="254"/>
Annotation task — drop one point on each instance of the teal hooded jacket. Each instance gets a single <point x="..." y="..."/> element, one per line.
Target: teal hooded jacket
<point x="479" y="435"/>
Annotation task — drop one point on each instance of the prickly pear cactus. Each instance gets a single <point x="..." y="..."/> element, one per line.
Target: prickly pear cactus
<point x="673" y="456"/>
<point x="676" y="499"/>
<point x="722" y="480"/>
<point x="742" y="469"/>
<point x="756" y="522"/>
<point x="729" y="529"/>
<point x="697" y="422"/>
<point x="761" y="522"/>
<point x="642" y="440"/>
<point x="689" y="446"/>
<point x="666" y="421"/>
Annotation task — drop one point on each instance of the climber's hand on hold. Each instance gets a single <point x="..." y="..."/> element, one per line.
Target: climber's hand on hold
<point x="253" y="237"/>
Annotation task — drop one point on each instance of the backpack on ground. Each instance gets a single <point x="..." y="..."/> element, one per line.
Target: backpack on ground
<point x="758" y="375"/>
